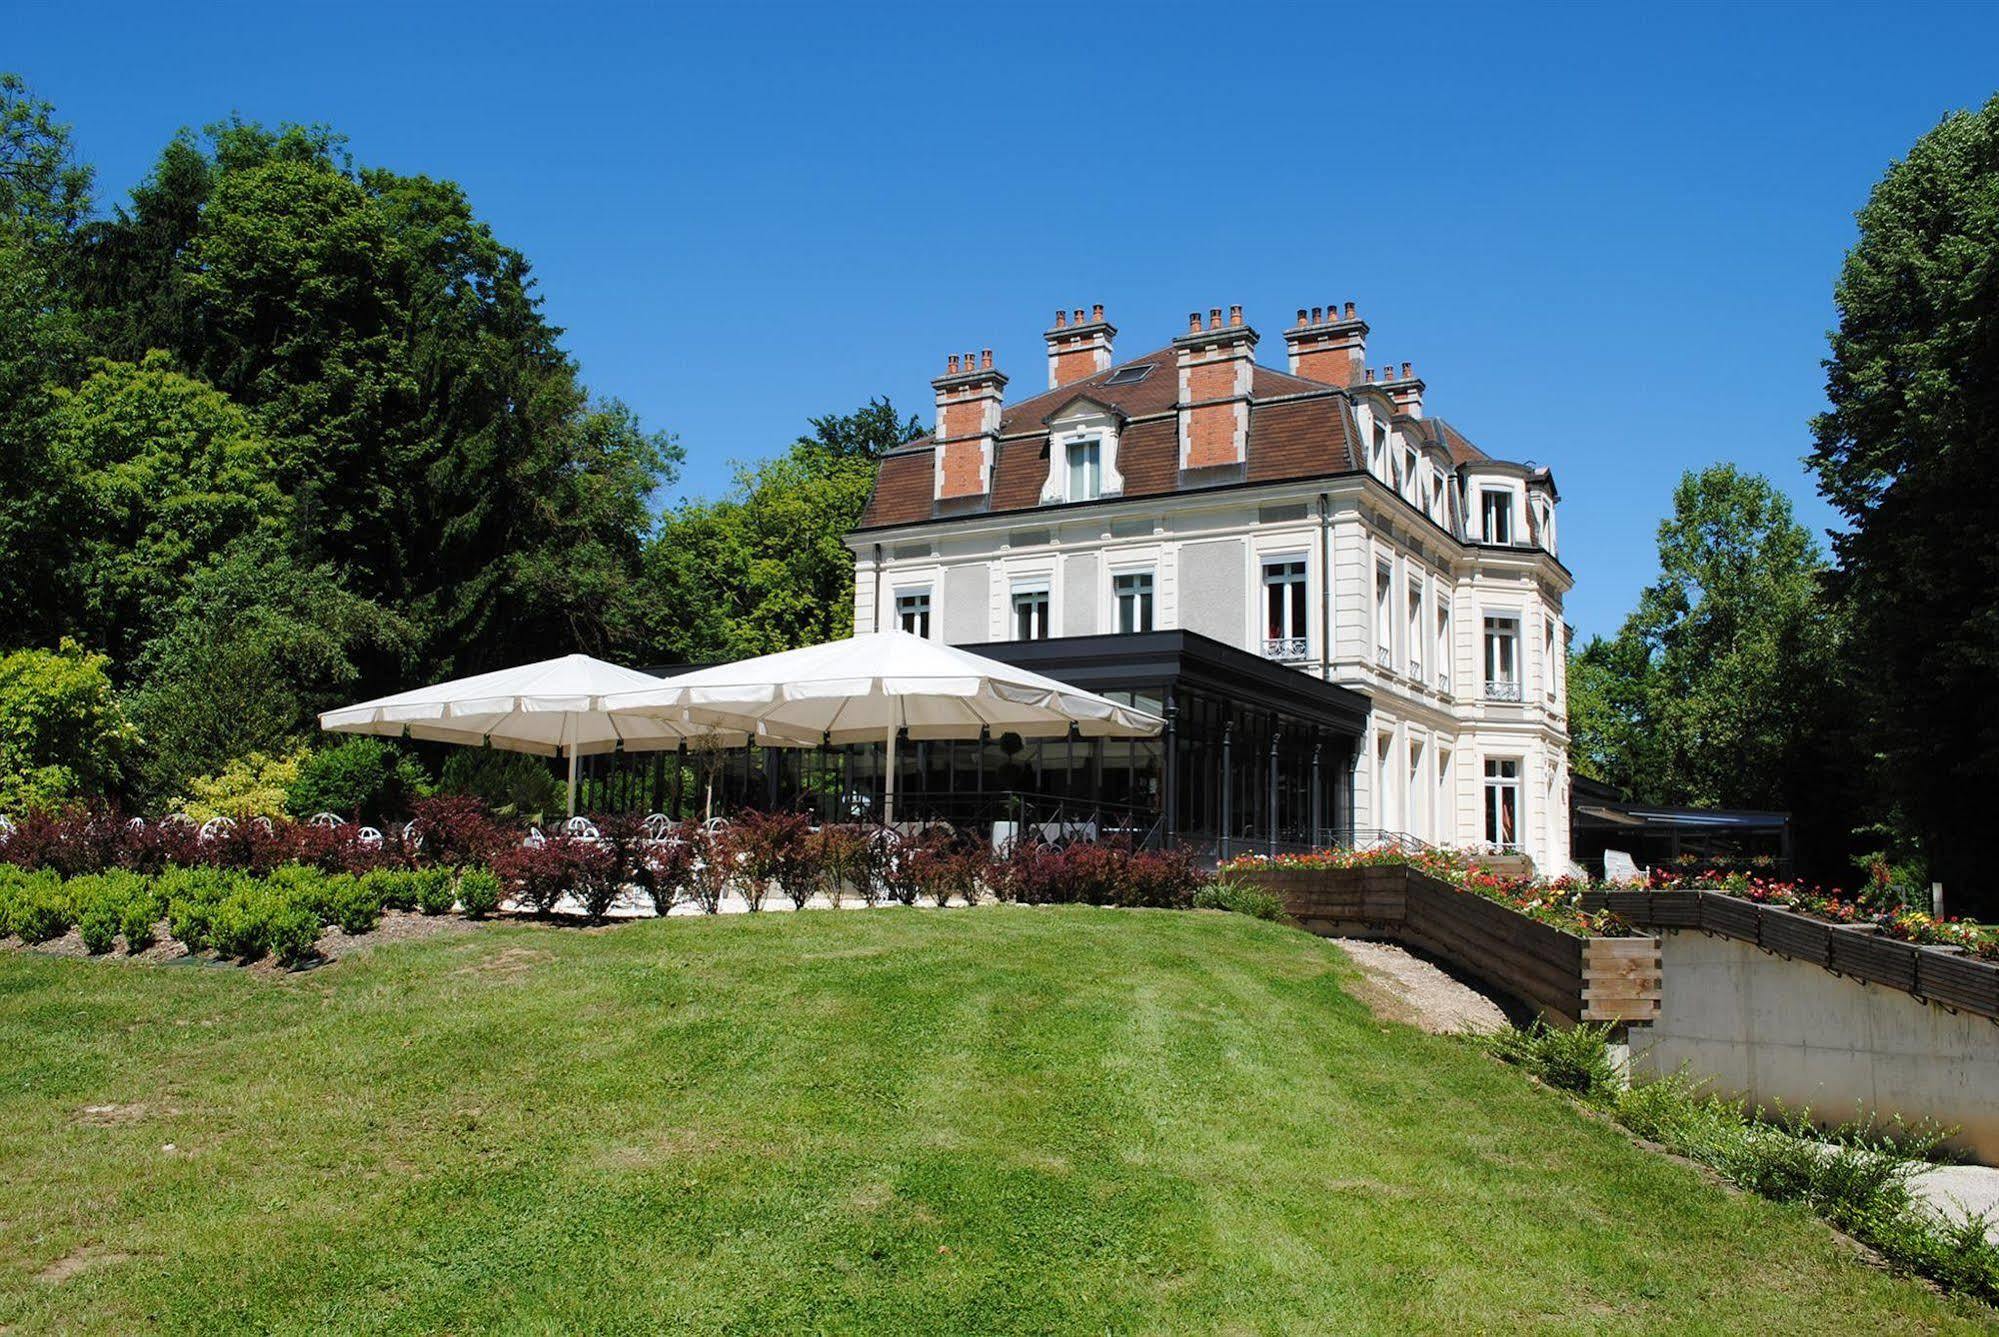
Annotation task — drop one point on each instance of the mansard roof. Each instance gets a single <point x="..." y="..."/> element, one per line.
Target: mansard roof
<point x="1298" y="428"/>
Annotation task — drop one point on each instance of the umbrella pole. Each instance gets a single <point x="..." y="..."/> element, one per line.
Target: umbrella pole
<point x="572" y="779"/>
<point x="888" y="780"/>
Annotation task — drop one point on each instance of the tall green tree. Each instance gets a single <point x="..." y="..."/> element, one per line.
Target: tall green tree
<point x="44" y="194"/>
<point x="1722" y="687"/>
<point x="63" y="734"/>
<point x="44" y="189"/>
<point x="767" y="568"/>
<point x="252" y="648"/>
<point x="437" y="442"/>
<point x="160" y="473"/>
<point x="1909" y="454"/>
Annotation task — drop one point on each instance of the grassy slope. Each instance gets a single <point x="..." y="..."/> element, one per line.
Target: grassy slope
<point x="998" y="1119"/>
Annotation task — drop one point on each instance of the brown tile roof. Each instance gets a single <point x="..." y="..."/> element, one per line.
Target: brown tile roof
<point x="1461" y="450"/>
<point x="1298" y="428"/>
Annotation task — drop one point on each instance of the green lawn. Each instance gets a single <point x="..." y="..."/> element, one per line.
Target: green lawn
<point x="1003" y="1119"/>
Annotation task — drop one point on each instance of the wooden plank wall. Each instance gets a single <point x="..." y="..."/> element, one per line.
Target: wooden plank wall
<point x="1565" y="978"/>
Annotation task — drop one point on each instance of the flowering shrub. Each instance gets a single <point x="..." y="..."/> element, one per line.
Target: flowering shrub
<point x="541" y="875"/>
<point x="842" y="856"/>
<point x="770" y="851"/>
<point x="1556" y="903"/>
<point x="1096" y="874"/>
<point x="944" y="863"/>
<point x="455" y="831"/>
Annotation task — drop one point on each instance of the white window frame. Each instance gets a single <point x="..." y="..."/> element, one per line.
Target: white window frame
<point x="1486" y="495"/>
<point x="1293" y="643"/>
<point x="1044" y="588"/>
<point x="1145" y="601"/>
<point x="1087" y="425"/>
<point x="1384" y="615"/>
<point x="1502" y="670"/>
<point x="1493" y="802"/>
<point x="1414" y="599"/>
<point x="928" y="613"/>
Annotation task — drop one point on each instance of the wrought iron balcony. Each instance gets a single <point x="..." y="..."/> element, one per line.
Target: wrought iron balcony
<point x="1444" y="681"/>
<point x="1287" y="649"/>
<point x="1502" y="691"/>
<point x="1383" y="657"/>
<point x="1416" y="670"/>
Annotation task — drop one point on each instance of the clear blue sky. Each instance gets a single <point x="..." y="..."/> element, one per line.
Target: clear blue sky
<point x="1606" y="236"/>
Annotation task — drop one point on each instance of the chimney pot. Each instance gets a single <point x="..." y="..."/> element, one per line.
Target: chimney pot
<point x="986" y="360"/>
<point x="1349" y="310"/>
<point x="1097" y="311"/>
<point x="1235" y="315"/>
<point x="1370" y="375"/>
<point x="1405" y="371"/>
<point x="1301" y="317"/>
<point x="1061" y="318"/>
<point x="1315" y="317"/>
<point x="1214" y="317"/>
<point x="1193" y="322"/>
<point x="951" y="365"/>
<point x="1079" y="315"/>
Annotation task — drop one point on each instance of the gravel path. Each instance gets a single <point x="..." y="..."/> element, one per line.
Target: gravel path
<point x="1401" y="986"/>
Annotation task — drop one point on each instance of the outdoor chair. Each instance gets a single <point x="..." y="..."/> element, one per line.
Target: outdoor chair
<point x="369" y="838"/>
<point x="216" y="826"/>
<point x="582" y="828"/>
<point x="657" y="825"/>
<point x="534" y="839"/>
<point x="332" y="820"/>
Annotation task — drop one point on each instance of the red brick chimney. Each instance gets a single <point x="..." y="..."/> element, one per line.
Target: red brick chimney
<point x="968" y="424"/>
<point x="1215" y="365"/>
<point x="1406" y="389"/>
<point x="1078" y="348"/>
<point x="1327" y="346"/>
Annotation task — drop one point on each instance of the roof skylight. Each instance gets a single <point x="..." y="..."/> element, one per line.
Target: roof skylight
<point x="1130" y="375"/>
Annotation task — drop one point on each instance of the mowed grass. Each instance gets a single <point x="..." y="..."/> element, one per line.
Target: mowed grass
<point x="1002" y="1119"/>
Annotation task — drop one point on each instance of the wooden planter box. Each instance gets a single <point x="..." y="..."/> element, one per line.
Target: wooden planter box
<point x="1795" y="935"/>
<point x="1964" y="982"/>
<point x="1730" y="916"/>
<point x="1869" y="956"/>
<point x="1674" y="909"/>
<point x="1564" y="977"/>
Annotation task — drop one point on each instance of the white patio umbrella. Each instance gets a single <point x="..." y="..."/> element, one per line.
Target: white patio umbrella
<point x="552" y="708"/>
<point x="870" y="687"/>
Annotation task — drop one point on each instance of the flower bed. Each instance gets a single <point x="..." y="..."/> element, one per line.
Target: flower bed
<point x="1893" y="920"/>
<point x="273" y="886"/>
<point x="1556" y="902"/>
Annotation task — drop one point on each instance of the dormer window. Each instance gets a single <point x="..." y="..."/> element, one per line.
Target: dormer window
<point x="1496" y="508"/>
<point x="1377" y="455"/>
<point x="1086" y="469"/>
<point x="1082" y="454"/>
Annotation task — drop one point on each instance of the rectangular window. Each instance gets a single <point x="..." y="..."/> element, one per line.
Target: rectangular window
<point x="1384" y="633"/>
<point x="912" y="612"/>
<point x="1030" y="612"/>
<point x="1415" y="805"/>
<point x="1502" y="802"/>
<point x="1502" y="658"/>
<point x="1086" y="481"/>
<point x="1446" y="821"/>
<point x="1133" y="591"/>
<point x="1284" y="636"/>
<point x="1497" y="507"/>
<point x="1548" y="660"/>
<point x="1416" y="628"/>
<point x="1443" y="644"/>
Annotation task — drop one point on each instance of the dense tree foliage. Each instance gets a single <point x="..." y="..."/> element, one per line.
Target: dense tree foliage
<point x="281" y="431"/>
<point x="767" y="568"/>
<point x="1909" y="453"/>
<point x="63" y="734"/>
<point x="1721" y="689"/>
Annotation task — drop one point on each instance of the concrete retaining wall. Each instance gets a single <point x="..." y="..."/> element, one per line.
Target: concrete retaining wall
<point x="1767" y="1028"/>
